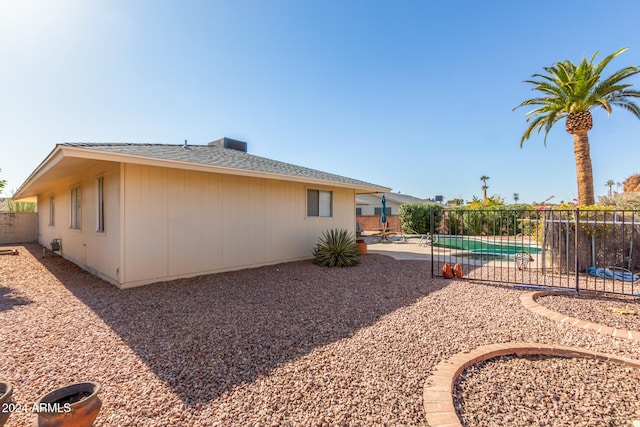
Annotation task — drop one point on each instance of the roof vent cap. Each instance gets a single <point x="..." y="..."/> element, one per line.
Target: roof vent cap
<point x="232" y="144"/>
<point x="185" y="146"/>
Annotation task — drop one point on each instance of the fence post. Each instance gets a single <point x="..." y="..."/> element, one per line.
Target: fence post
<point x="541" y="217"/>
<point x="575" y="250"/>
<point x="431" y="217"/>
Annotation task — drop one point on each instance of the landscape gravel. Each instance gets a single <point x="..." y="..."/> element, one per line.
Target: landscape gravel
<point x="292" y="344"/>
<point x="550" y="391"/>
<point x="615" y="312"/>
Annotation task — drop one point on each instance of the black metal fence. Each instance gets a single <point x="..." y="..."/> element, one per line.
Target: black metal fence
<point x="595" y="250"/>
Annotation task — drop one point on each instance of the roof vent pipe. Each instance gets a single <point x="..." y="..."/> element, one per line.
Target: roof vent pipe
<point x="185" y="146"/>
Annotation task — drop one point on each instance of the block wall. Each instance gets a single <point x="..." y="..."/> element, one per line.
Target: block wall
<point x="19" y="227"/>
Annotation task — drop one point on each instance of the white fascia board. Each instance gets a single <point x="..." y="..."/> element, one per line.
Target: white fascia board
<point x="51" y="160"/>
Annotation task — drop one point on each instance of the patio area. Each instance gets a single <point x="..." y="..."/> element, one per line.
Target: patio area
<point x="285" y="345"/>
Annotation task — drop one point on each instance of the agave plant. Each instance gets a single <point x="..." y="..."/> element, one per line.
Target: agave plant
<point x="336" y="248"/>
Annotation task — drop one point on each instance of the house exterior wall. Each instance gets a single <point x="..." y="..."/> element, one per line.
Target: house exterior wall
<point x="181" y="223"/>
<point x="371" y="209"/>
<point x="97" y="252"/>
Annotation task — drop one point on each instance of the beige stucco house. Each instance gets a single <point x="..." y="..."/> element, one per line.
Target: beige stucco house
<point x="135" y="214"/>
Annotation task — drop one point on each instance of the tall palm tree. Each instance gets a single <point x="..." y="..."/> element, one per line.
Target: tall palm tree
<point x="610" y="183"/>
<point x="571" y="91"/>
<point x="484" y="179"/>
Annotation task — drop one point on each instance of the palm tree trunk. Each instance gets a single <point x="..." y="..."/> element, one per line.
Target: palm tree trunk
<point x="584" y="171"/>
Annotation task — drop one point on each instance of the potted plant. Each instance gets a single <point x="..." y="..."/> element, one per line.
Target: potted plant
<point x="362" y="246"/>
<point x="5" y="401"/>
<point x="75" y="405"/>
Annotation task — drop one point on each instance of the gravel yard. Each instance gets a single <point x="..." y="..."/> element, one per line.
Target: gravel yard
<point x="293" y="344"/>
<point x="622" y="313"/>
<point x="549" y="391"/>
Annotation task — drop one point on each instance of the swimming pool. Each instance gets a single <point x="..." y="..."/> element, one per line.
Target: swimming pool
<point x="489" y="246"/>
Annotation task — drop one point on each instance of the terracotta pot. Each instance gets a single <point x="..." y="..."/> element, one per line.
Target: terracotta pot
<point x="362" y="247"/>
<point x="5" y="398"/>
<point x="75" y="405"/>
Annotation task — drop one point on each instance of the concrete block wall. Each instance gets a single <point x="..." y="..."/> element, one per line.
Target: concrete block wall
<point x="19" y="227"/>
<point x="369" y="222"/>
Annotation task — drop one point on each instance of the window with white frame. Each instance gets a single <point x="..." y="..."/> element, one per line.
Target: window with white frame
<point x="76" y="209"/>
<point x="319" y="203"/>
<point x="51" y="210"/>
<point x="100" y="206"/>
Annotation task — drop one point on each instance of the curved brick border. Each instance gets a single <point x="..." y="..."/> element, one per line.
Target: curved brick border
<point x="529" y="301"/>
<point x="438" y="389"/>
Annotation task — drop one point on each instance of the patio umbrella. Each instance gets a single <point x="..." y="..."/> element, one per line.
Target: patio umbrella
<point x="383" y="214"/>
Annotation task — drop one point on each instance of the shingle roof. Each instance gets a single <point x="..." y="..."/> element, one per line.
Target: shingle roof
<point x="368" y="199"/>
<point x="219" y="157"/>
<point x="404" y="198"/>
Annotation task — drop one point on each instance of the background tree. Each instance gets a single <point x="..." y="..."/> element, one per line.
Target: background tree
<point x="485" y="187"/>
<point x="3" y="183"/>
<point x="495" y="200"/>
<point x="516" y="197"/>
<point x="630" y="201"/>
<point x="570" y="91"/>
<point x="491" y="202"/>
<point x="610" y="183"/>
<point x="14" y="206"/>
<point x="631" y="184"/>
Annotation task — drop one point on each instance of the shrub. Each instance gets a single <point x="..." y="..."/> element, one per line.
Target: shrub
<point x="490" y="220"/>
<point x="21" y="206"/>
<point x="336" y="248"/>
<point x="416" y="217"/>
<point x="628" y="201"/>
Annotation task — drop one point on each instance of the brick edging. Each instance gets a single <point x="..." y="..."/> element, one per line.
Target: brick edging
<point x="438" y="389"/>
<point x="529" y="301"/>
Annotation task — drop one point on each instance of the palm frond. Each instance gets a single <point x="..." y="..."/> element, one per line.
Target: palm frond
<point x="628" y="105"/>
<point x="612" y="83"/>
<point x="601" y="66"/>
<point x="539" y="122"/>
<point x="569" y="88"/>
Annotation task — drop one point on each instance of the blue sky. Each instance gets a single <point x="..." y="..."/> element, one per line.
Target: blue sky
<point x="413" y="95"/>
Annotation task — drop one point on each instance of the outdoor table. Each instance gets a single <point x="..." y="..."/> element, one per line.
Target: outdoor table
<point x="384" y="233"/>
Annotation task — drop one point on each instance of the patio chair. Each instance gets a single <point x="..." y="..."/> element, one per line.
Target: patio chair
<point x="427" y="240"/>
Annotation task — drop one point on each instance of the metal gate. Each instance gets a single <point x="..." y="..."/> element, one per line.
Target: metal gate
<point x="576" y="249"/>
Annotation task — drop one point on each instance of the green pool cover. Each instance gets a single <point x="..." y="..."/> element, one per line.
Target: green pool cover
<point x="484" y="247"/>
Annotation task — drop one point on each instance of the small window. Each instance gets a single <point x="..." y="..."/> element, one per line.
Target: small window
<point x="319" y="203"/>
<point x="358" y="211"/>
<point x="378" y="211"/>
<point x="51" y="210"/>
<point x="100" y="206"/>
<point x="76" y="210"/>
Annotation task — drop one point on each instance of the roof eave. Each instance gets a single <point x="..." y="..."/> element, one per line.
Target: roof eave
<point x="61" y="151"/>
<point x="51" y="160"/>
